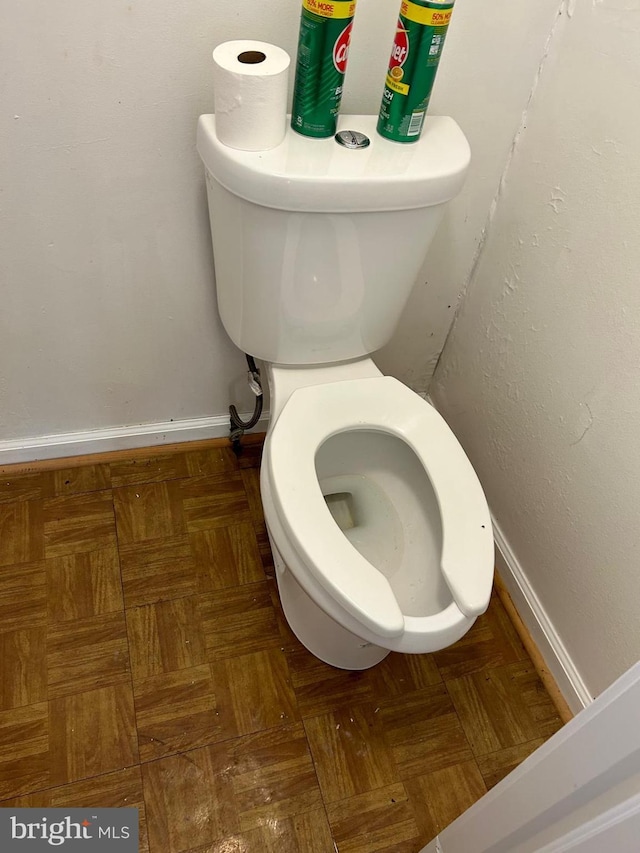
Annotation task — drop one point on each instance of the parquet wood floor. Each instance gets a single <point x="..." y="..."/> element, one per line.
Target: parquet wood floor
<point x="145" y="661"/>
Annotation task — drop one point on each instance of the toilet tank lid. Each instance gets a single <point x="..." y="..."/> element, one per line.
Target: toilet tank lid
<point x="319" y="175"/>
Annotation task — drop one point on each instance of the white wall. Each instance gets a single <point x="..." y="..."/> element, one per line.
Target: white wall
<point x="107" y="309"/>
<point x="489" y="63"/>
<point x="540" y="377"/>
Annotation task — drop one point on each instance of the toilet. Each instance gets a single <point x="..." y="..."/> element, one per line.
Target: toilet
<point x="380" y="530"/>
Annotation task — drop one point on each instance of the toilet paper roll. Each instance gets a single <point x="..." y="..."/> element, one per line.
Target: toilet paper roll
<point x="250" y="88"/>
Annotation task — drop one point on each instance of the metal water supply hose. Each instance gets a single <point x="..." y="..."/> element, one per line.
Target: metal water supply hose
<point x="237" y="426"/>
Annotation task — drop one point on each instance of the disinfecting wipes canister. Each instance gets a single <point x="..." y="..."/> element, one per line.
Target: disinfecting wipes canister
<point x="420" y="34"/>
<point x="323" y="48"/>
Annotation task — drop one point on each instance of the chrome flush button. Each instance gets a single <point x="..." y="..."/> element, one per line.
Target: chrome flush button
<point x="352" y="139"/>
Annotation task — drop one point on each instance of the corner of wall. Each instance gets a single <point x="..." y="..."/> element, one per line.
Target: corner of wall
<point x="564" y="12"/>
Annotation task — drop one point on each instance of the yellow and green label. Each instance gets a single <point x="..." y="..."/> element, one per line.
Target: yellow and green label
<point x="339" y="9"/>
<point x="323" y="50"/>
<point x="417" y="47"/>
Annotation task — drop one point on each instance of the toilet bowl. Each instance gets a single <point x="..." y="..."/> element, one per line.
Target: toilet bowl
<point x="379" y="528"/>
<point x="378" y="523"/>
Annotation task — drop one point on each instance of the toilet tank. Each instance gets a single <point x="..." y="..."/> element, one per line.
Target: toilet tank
<point x="316" y="245"/>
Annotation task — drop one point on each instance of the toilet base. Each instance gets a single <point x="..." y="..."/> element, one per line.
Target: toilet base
<point x="317" y="631"/>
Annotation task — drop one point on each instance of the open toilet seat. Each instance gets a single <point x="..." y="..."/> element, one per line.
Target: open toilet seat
<point x="315" y="413"/>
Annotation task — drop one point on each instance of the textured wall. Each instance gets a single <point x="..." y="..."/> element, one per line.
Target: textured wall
<point x="485" y="78"/>
<point x="540" y="377"/>
<point x="107" y="314"/>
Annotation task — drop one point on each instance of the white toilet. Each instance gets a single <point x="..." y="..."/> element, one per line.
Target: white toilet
<point x="379" y="527"/>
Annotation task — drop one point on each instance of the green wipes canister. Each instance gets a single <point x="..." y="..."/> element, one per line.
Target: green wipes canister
<point x="323" y="49"/>
<point x="415" y="55"/>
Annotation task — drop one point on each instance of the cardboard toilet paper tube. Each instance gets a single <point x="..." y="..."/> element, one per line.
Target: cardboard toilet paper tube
<point x="250" y="87"/>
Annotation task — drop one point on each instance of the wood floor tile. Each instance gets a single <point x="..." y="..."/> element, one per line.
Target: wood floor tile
<point x="149" y="469"/>
<point x="321" y="688"/>
<point x="502" y="626"/>
<point x="197" y="704"/>
<point x="23" y="678"/>
<point x="424" y="732"/>
<point x="239" y="620"/>
<point x="255" y="691"/>
<point x="491" y="642"/>
<point x="226" y="557"/>
<point x="189" y="800"/>
<point x="503" y="707"/>
<point x="496" y="765"/>
<point x="92" y="733"/>
<point x="87" y="653"/>
<point x="122" y="789"/>
<point x="439" y="797"/>
<point x="76" y="524"/>
<point x="251" y="481"/>
<point x="165" y="637"/>
<point x="21" y="533"/>
<point x="273" y="776"/>
<point x="26" y="487"/>
<point x="24" y="750"/>
<point x="110" y="790"/>
<point x="290" y="643"/>
<point x="399" y="674"/>
<point x="303" y="833"/>
<point x="239" y="786"/>
<point x="157" y="571"/>
<point x="350" y="753"/>
<point x="251" y="455"/>
<point x="83" y="585"/>
<point x="74" y="481"/>
<point x="264" y="546"/>
<point x="148" y="511"/>
<point x="216" y="460"/>
<point x="380" y="821"/>
<point x="23" y="596"/>
<point x="214" y="501"/>
<point x="534" y="696"/>
<point x="176" y="712"/>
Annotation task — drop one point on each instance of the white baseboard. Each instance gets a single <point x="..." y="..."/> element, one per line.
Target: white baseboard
<point x="119" y="438"/>
<point x="539" y="625"/>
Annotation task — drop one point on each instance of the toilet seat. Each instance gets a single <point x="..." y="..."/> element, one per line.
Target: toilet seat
<point x="315" y="413"/>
